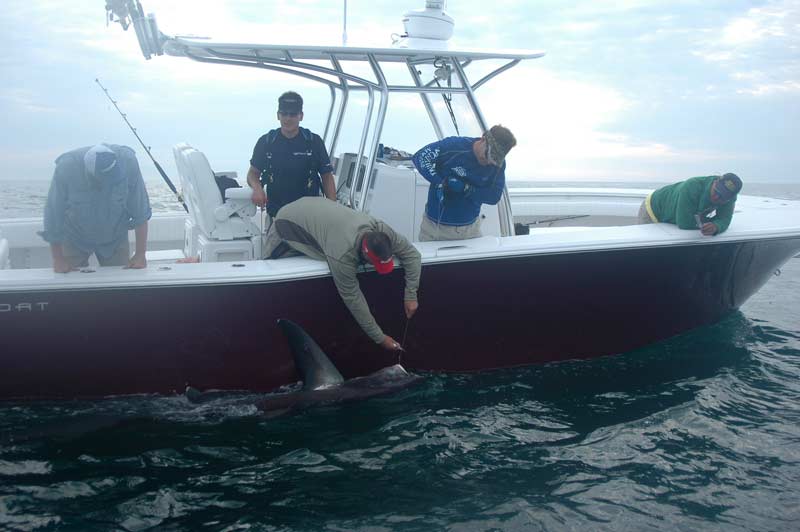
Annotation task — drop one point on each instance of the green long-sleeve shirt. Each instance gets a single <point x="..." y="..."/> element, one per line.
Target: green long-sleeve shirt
<point x="325" y="230"/>
<point x="678" y="203"/>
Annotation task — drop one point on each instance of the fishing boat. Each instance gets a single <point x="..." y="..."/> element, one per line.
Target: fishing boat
<point x="585" y="280"/>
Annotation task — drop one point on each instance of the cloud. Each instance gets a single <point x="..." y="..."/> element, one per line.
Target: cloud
<point x="768" y="89"/>
<point x="557" y="120"/>
<point x="25" y="101"/>
<point x="765" y="36"/>
<point x="757" y="25"/>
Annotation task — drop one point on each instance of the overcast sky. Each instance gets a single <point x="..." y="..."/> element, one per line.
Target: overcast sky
<point x="629" y="90"/>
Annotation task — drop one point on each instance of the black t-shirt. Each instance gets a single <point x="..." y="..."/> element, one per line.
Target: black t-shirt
<point x="294" y="168"/>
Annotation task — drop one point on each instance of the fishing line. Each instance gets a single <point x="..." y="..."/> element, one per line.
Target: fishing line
<point x="261" y="240"/>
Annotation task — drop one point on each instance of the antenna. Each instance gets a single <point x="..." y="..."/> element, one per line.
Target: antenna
<point x="344" y="31"/>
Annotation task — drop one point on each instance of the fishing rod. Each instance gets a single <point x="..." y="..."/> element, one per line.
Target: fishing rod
<point x="146" y="148"/>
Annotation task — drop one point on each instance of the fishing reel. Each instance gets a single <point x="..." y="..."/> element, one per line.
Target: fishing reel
<point x="121" y="9"/>
<point x="444" y="71"/>
<point x="130" y="13"/>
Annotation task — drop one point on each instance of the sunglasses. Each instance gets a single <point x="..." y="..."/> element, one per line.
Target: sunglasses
<point x="487" y="153"/>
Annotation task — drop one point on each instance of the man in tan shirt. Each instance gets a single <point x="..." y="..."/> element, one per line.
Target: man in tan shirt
<point x="346" y="239"/>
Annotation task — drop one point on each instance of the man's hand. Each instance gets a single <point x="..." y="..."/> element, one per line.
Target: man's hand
<point x="137" y="262"/>
<point x="411" y="308"/>
<point x="390" y="344"/>
<point x="454" y="187"/>
<point x="60" y="265"/>
<point x="259" y="197"/>
<point x="709" y="229"/>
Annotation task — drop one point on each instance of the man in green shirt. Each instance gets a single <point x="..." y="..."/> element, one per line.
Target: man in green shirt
<point x="704" y="203"/>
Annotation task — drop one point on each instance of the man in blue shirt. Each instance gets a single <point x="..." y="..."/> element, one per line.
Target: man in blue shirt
<point x="96" y="196"/>
<point x="464" y="173"/>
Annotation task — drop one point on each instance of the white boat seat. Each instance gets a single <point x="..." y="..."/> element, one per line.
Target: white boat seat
<point x="237" y="201"/>
<point x="216" y="218"/>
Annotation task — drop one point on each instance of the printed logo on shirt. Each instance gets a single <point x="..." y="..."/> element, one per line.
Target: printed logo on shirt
<point x="460" y="171"/>
<point x="306" y="153"/>
<point x="428" y="159"/>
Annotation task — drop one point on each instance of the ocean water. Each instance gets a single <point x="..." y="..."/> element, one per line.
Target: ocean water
<point x="27" y="198"/>
<point x="698" y="432"/>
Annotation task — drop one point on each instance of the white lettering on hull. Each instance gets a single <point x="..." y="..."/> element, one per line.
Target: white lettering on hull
<point x="23" y="307"/>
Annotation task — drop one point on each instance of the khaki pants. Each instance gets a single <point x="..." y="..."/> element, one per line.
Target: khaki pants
<point x="80" y="259"/>
<point x="272" y="243"/>
<point x="270" y="240"/>
<point x="431" y="231"/>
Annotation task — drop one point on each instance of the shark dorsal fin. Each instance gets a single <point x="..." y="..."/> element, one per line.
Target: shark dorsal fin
<point x="313" y="365"/>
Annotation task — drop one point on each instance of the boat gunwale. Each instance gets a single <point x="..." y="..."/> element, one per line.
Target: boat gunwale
<point x="112" y="278"/>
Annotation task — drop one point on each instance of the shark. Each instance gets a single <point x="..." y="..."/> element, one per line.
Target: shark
<point x="322" y="383"/>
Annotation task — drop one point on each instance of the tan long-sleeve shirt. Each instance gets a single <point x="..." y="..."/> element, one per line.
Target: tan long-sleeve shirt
<point x="325" y="230"/>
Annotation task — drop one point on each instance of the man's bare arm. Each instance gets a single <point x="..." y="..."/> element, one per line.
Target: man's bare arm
<point x="254" y="181"/>
<point x="60" y="264"/>
<point x="329" y="186"/>
<point x="139" y="259"/>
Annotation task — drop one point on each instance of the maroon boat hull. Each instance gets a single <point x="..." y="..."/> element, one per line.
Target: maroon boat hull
<point x="473" y="315"/>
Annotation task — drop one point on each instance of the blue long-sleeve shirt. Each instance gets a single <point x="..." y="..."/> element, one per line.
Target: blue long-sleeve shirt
<point x="90" y="218"/>
<point x="453" y="157"/>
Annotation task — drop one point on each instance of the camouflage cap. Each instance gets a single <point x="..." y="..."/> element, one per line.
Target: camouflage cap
<point x="499" y="141"/>
<point x="727" y="186"/>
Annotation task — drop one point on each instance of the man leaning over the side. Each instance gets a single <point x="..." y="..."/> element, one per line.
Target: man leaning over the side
<point x="346" y="240"/>
<point x="705" y="203"/>
<point x="97" y="194"/>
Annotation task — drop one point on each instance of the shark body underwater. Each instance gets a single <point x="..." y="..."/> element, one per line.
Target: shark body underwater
<point x="322" y="382"/>
<point x="322" y="385"/>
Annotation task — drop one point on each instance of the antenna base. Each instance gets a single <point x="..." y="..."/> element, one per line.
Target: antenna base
<point x="429" y="24"/>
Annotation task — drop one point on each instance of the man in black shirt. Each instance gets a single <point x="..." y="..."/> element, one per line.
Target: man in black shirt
<point x="291" y="162"/>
